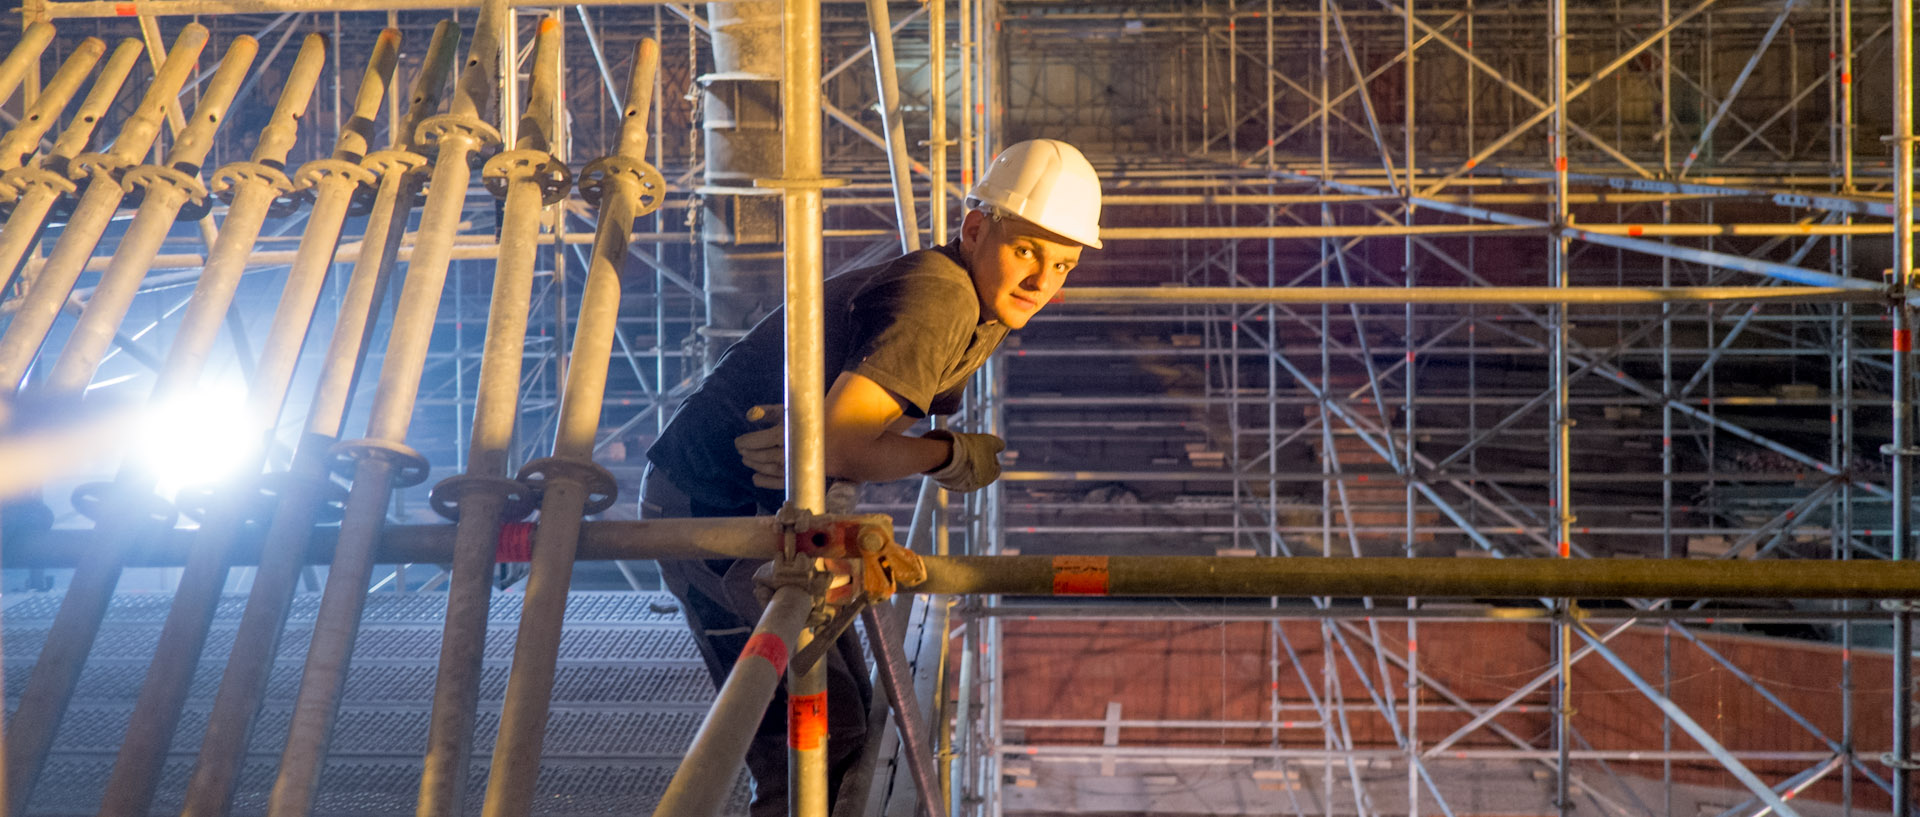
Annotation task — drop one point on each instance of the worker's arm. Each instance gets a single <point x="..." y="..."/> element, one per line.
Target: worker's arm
<point x="864" y="440"/>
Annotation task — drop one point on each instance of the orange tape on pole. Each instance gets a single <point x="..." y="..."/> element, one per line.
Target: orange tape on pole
<point x="1080" y="576"/>
<point x="769" y="647"/>
<point x="807" y="721"/>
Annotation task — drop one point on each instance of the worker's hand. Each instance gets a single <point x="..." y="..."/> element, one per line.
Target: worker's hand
<point x="765" y="450"/>
<point x="975" y="462"/>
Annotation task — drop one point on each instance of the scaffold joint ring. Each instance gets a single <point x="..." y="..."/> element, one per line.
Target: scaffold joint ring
<point x="93" y="499"/>
<point x="1909" y="764"/>
<point x="447" y="125"/>
<point x="148" y="178"/>
<point x="652" y="187"/>
<point x="598" y="483"/>
<point x="94" y="165"/>
<point x="537" y="165"/>
<point x="409" y="467"/>
<point x="16" y="182"/>
<point x="285" y="201"/>
<point x="517" y="499"/>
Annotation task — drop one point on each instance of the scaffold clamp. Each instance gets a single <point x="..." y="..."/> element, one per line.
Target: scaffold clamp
<point x="1892" y="762"/>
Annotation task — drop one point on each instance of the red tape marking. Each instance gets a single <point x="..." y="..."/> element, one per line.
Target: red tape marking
<point x="516" y="543"/>
<point x="807" y="721"/>
<point x="125" y="9"/>
<point x="769" y="647"/>
<point x="1903" y="340"/>
<point x="1080" y="575"/>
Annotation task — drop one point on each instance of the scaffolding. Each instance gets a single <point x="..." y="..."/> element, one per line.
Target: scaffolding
<point x="1388" y="281"/>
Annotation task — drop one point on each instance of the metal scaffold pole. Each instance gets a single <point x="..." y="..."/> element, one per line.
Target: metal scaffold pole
<point x="483" y="499"/>
<point x="304" y="487"/>
<point x="104" y="191"/>
<point x="625" y="187"/>
<point x="806" y="477"/>
<point x="382" y="460"/>
<point x="1906" y="275"/>
<point x="31" y="189"/>
<point x="251" y="188"/>
<point x="21" y="143"/>
<point x="880" y="36"/>
<point x="1439" y="304"/>
<point x="127" y="507"/>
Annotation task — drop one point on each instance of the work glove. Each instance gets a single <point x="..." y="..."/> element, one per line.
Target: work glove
<point x="975" y="462"/>
<point x="765" y="451"/>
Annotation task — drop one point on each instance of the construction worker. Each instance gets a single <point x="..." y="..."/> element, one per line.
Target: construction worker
<point x="902" y="338"/>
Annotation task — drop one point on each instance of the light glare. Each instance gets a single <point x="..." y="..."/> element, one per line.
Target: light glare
<point x="196" y="438"/>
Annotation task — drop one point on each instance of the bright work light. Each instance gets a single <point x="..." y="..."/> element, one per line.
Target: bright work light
<point x="196" y="438"/>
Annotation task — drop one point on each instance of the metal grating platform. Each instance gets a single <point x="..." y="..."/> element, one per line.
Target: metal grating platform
<point x="628" y="697"/>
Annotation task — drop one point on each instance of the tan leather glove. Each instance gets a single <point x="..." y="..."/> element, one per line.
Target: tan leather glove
<point x="974" y="464"/>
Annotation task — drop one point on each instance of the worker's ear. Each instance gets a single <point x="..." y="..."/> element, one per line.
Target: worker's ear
<point x="972" y="226"/>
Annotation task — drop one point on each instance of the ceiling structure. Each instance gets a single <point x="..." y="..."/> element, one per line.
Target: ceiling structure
<point x="1447" y="279"/>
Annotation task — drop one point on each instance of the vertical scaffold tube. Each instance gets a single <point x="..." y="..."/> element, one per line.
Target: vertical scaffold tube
<point x="251" y="188"/>
<point x="806" y="389"/>
<point x="1560" y="446"/>
<point x="334" y="182"/>
<point x="880" y="36"/>
<point x="937" y="129"/>
<point x="483" y="498"/>
<point x="1903" y="414"/>
<point x="50" y="685"/>
<point x="382" y="461"/>
<point x="625" y="187"/>
<point x="105" y="190"/>
<point x="32" y="189"/>
<point x="807" y="785"/>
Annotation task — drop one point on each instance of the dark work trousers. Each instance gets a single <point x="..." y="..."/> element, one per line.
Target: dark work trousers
<point x="717" y="597"/>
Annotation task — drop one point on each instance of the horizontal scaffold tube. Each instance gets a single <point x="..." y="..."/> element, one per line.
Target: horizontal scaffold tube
<point x="1196" y="576"/>
<point x="1456" y="295"/>
<point x="1229" y="576"/>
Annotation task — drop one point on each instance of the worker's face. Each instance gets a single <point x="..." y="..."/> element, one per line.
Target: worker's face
<point x="1017" y="267"/>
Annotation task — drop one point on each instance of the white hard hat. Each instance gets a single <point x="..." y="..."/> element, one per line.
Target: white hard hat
<point x="1047" y="182"/>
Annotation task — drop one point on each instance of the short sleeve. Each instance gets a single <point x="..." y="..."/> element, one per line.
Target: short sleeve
<point x="909" y="331"/>
<point x="948" y="402"/>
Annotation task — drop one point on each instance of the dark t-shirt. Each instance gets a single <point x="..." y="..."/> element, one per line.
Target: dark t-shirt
<point x="911" y="325"/>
